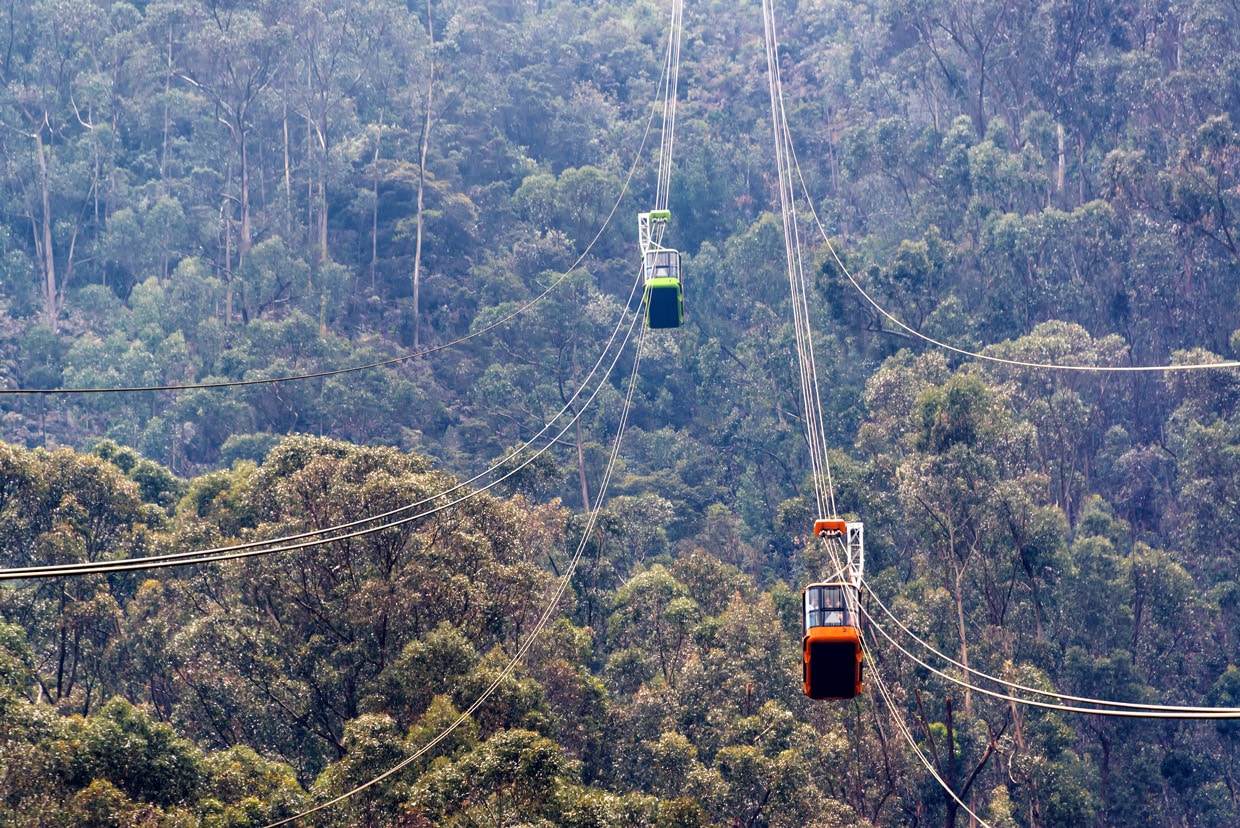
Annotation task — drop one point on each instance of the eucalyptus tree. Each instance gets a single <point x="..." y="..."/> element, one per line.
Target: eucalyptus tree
<point x="56" y="153"/>
<point x="231" y="54"/>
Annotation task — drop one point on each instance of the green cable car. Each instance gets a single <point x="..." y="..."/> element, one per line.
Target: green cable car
<point x="665" y="305"/>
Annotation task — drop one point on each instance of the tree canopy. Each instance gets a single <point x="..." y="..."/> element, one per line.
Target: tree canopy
<point x="201" y="192"/>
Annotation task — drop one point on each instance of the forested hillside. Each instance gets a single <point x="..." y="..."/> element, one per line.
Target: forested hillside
<point x="213" y="192"/>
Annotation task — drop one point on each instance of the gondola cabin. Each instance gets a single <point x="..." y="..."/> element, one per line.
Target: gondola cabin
<point x="664" y="299"/>
<point x="831" y="660"/>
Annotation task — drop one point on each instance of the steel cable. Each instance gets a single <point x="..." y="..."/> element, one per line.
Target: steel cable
<point x="523" y="649"/>
<point x="1018" y="363"/>
<point x="1128" y="709"/>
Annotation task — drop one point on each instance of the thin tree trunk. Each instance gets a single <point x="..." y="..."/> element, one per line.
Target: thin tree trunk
<point x="1080" y="146"/>
<point x="426" y="139"/>
<point x="243" y="243"/>
<point x="323" y="164"/>
<point x="323" y="255"/>
<point x="1059" y="174"/>
<point x="581" y="455"/>
<point x="309" y="173"/>
<point x="288" y="178"/>
<point x="964" y="647"/>
<point x="163" y="155"/>
<point x="581" y="467"/>
<point x="226" y="221"/>
<point x="50" y="298"/>
<point x="374" y="210"/>
<point x="952" y="774"/>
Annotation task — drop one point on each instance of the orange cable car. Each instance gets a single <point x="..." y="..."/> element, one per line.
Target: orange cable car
<point x="831" y="664"/>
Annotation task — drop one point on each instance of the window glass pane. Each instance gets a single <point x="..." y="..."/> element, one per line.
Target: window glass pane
<point x="830" y="606"/>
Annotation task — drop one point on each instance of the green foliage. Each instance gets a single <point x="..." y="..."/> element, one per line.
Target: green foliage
<point x="197" y="193"/>
<point x="515" y="772"/>
<point x="245" y="786"/>
<point x="155" y="483"/>
<point x="429" y="667"/>
<point x="952" y="415"/>
<point x="142" y="758"/>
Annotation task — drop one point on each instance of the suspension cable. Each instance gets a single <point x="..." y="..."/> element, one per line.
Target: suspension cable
<point x="810" y="399"/>
<point x="669" y="92"/>
<point x="267" y="547"/>
<point x="803" y="293"/>
<point x="1019" y="363"/>
<point x="1151" y="712"/>
<point x="1161" y="711"/>
<point x="524" y="648"/>
<point x="397" y="359"/>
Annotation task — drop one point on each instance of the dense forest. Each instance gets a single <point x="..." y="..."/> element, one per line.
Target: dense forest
<point x="205" y="192"/>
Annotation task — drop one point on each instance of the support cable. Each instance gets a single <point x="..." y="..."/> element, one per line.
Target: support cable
<point x="1018" y="363"/>
<point x="807" y="367"/>
<point x="267" y="546"/>
<point x="1144" y="712"/>
<point x="669" y="94"/>
<point x="524" y="648"/>
<point x="394" y="360"/>
<point x="671" y="91"/>
<point x="1021" y="687"/>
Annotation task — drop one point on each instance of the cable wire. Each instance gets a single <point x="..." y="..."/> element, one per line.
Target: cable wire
<point x="1148" y="713"/>
<point x="266" y="547"/>
<point x="811" y="401"/>
<point x="524" y="648"/>
<point x="1013" y="685"/>
<point x="1018" y="363"/>
<point x="902" y="726"/>
<point x="671" y="75"/>
<point x="1161" y="710"/>
<point x="394" y="360"/>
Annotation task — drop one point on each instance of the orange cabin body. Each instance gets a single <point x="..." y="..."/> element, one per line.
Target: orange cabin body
<point x="831" y="647"/>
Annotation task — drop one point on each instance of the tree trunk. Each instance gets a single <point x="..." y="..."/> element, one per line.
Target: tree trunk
<point x="309" y="173"/>
<point x="374" y="208"/>
<point x="163" y="155"/>
<point x="325" y="148"/>
<point x="323" y="255"/>
<point x="952" y="770"/>
<point x="288" y="178"/>
<point x="1059" y="173"/>
<point x="226" y="221"/>
<point x="244" y="240"/>
<point x="581" y="455"/>
<point x="581" y="466"/>
<point x="1080" y="154"/>
<point x="51" y="302"/>
<point x="426" y="140"/>
<point x="962" y="630"/>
